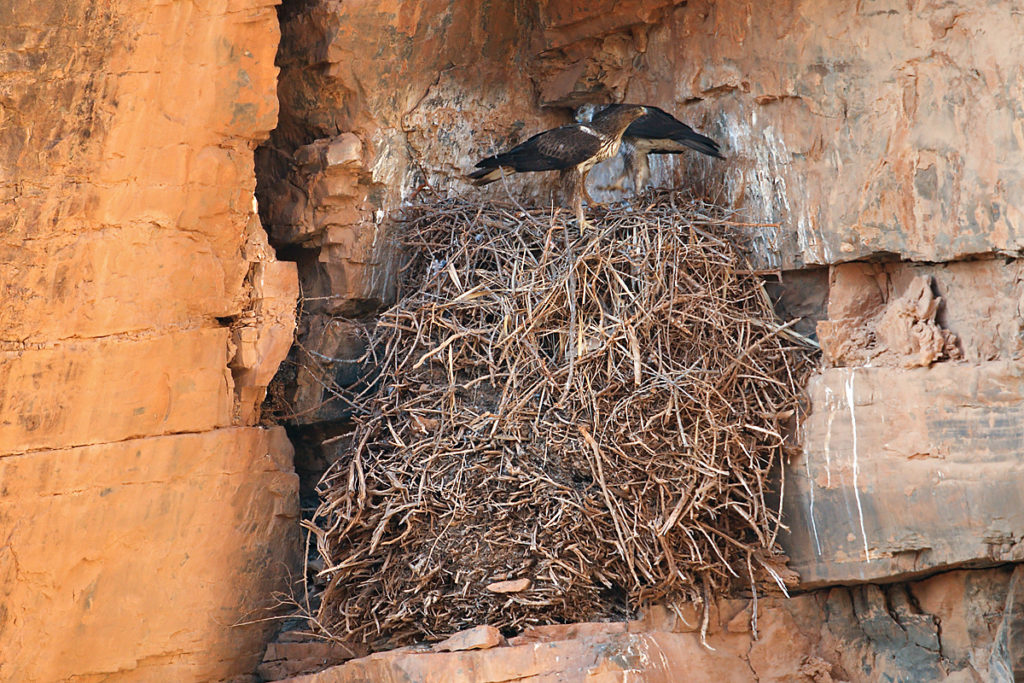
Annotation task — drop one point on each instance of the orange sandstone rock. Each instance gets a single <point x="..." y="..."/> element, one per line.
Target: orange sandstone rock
<point x="476" y="638"/>
<point x="513" y="586"/>
<point x="958" y="626"/>
<point x="109" y="389"/>
<point x="139" y="531"/>
<point x="904" y="472"/>
<point x="145" y="559"/>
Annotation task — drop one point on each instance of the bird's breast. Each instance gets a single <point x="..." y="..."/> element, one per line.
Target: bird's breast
<point x="607" y="150"/>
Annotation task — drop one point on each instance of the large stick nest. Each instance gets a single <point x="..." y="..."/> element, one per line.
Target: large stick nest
<point x="590" y="419"/>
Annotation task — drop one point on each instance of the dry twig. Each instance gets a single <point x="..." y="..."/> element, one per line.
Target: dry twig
<point x="600" y="418"/>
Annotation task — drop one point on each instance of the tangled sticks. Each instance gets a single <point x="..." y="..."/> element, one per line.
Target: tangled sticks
<point x="559" y="431"/>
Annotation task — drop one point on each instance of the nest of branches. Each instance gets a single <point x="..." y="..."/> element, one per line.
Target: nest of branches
<point x="561" y="427"/>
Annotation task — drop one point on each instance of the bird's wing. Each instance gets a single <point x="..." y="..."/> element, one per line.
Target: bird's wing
<point x="552" y="150"/>
<point x="659" y="125"/>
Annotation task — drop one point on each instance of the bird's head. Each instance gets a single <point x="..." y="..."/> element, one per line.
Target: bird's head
<point x="632" y="112"/>
<point x="620" y="115"/>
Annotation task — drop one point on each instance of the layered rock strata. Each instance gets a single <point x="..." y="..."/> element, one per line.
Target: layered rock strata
<point x="961" y="626"/>
<point x="877" y="140"/>
<point x="145" y="520"/>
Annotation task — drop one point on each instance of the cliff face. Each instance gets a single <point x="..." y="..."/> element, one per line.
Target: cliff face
<point x="864" y="128"/>
<point x="877" y="131"/>
<point x="144" y="514"/>
<point x="877" y="142"/>
<point x="959" y="626"/>
<point x="143" y="314"/>
<point x="861" y="128"/>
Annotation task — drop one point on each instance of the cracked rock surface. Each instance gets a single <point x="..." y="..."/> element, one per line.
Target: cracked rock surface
<point x="959" y="626"/>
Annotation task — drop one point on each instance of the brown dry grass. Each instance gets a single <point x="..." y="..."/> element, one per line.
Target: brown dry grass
<point x="597" y="414"/>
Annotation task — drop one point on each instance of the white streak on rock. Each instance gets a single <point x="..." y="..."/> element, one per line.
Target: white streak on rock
<point x="810" y="487"/>
<point x="856" y="466"/>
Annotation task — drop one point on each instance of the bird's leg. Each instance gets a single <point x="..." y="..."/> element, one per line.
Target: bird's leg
<point x="577" y="204"/>
<point x="586" y="192"/>
<point x="579" y="181"/>
<point x="643" y="174"/>
<point x="572" y="190"/>
<point x="639" y="170"/>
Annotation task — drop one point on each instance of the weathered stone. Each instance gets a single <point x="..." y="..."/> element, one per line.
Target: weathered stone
<point x="287" y="658"/>
<point x="264" y="335"/>
<point x="513" y="586"/>
<point x="476" y="638"/>
<point x="659" y="657"/>
<point x="568" y="22"/>
<point x="854" y="129"/>
<point x="883" y="327"/>
<point x="455" y="85"/>
<point x="923" y="472"/>
<point x="143" y="559"/>
<point x="908" y="329"/>
<point x="980" y="615"/>
<point x="96" y="391"/>
<point x="111" y="280"/>
<point x="962" y="625"/>
<point x="329" y="359"/>
<point x="801" y="296"/>
<point x="327" y="183"/>
<point x="129" y="244"/>
<point x="95" y="234"/>
<point x="972" y="305"/>
<point x="550" y="633"/>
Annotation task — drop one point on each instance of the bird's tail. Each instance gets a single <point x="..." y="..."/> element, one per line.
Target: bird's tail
<point x="485" y="176"/>
<point x="700" y="143"/>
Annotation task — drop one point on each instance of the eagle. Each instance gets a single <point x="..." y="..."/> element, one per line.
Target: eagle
<point x="572" y="150"/>
<point x="658" y="133"/>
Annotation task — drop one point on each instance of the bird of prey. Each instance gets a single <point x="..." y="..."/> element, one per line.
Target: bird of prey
<point x="658" y="133"/>
<point x="572" y="149"/>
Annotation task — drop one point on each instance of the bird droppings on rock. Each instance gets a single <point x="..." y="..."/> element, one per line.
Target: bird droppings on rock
<point x="597" y="414"/>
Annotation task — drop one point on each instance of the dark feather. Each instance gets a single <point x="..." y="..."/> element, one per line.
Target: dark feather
<point x="664" y="134"/>
<point x="552" y="150"/>
<point x="572" y="150"/>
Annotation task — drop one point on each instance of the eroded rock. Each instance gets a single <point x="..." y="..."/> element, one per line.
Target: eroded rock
<point x="150" y="558"/>
<point x="962" y="625"/>
<point x="142" y="533"/>
<point x="476" y="638"/>
<point x="884" y="315"/>
<point x="905" y="472"/>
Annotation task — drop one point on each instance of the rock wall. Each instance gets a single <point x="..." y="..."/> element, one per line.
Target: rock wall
<point x="145" y="517"/>
<point x="961" y="626"/>
<point x="882" y="132"/>
<point x="876" y="145"/>
<point x="878" y="140"/>
<point x="855" y="128"/>
<point x="883" y="140"/>
<point x="379" y="102"/>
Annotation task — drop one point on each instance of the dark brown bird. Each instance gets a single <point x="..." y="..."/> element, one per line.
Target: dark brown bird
<point x="659" y="133"/>
<point x="572" y="149"/>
